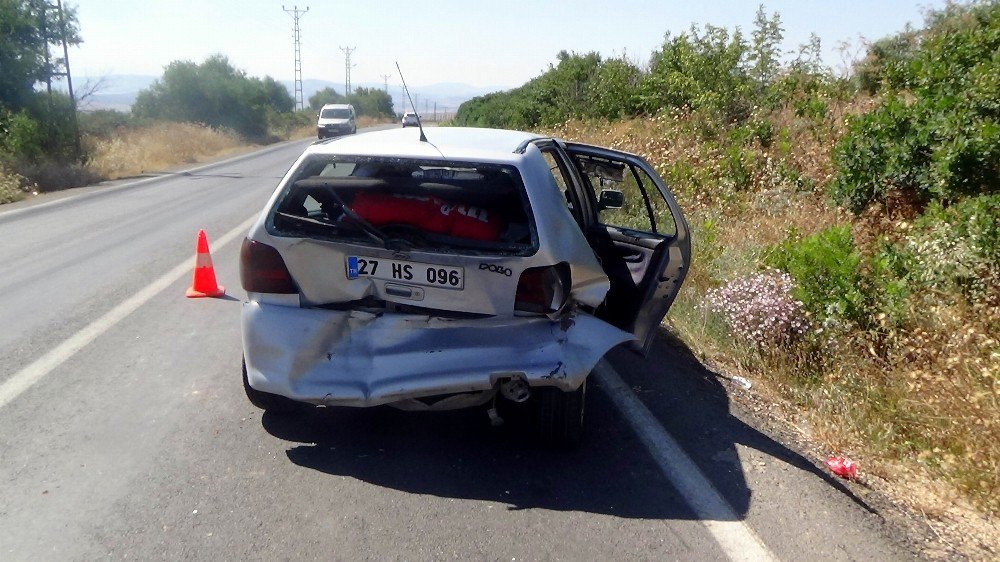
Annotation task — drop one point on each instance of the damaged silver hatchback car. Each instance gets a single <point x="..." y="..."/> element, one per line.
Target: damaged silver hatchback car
<point x="474" y="267"/>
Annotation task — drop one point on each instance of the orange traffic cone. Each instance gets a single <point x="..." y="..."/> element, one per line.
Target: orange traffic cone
<point x="204" y="284"/>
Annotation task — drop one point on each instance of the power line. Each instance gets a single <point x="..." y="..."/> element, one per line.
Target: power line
<point x="347" y="65"/>
<point x="296" y="13"/>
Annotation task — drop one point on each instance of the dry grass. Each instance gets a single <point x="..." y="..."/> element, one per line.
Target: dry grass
<point x="918" y="402"/>
<point x="142" y="150"/>
<point x="13" y="186"/>
<point x="158" y="147"/>
<point x="366" y="121"/>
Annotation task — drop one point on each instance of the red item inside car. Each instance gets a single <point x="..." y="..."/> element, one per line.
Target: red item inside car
<point x="429" y="214"/>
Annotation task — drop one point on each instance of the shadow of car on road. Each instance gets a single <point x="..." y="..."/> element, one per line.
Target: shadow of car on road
<point x="458" y="455"/>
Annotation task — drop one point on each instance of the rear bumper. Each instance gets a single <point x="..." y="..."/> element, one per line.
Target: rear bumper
<point x="353" y="358"/>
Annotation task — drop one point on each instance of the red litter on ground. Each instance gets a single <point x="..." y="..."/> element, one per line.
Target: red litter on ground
<point x="843" y="467"/>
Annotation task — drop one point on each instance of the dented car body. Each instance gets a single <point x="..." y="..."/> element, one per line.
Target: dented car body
<point x="438" y="274"/>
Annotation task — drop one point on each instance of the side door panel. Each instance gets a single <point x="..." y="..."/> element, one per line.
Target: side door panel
<point x="644" y="246"/>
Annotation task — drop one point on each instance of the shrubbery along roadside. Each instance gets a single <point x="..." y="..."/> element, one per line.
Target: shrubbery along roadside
<point x="845" y="230"/>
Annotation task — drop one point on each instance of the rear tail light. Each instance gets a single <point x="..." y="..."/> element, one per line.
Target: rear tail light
<point x="542" y="290"/>
<point x="263" y="271"/>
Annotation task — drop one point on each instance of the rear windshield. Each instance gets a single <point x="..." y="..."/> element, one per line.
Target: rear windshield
<point x="334" y="113"/>
<point x="404" y="204"/>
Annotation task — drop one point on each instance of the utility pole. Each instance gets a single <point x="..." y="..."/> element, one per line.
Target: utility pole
<point x="69" y="79"/>
<point x="435" y="111"/>
<point x="347" y="65"/>
<point x="50" y="71"/>
<point x="296" y="13"/>
<point x="385" y="80"/>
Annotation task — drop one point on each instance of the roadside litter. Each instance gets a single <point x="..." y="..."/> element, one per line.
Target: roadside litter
<point x="843" y="467"/>
<point x="742" y="382"/>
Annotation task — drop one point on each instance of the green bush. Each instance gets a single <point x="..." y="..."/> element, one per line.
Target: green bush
<point x="711" y="69"/>
<point x="283" y="125"/>
<point x="372" y="102"/>
<point x="827" y="269"/>
<point x="936" y="132"/>
<point x="613" y="92"/>
<point x="216" y="94"/>
<point x="703" y="70"/>
<point x="325" y="96"/>
<point x="954" y="249"/>
<point x="43" y="128"/>
<point x="21" y="134"/>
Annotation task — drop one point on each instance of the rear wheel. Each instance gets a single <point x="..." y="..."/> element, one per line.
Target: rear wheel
<point x="265" y="400"/>
<point x="559" y="415"/>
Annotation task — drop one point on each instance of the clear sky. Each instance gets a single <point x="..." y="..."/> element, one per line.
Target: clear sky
<point x="485" y="44"/>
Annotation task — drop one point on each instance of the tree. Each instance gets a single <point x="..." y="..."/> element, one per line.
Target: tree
<point x="325" y="96"/>
<point x="26" y="28"/>
<point x="373" y="102"/>
<point x="33" y="124"/>
<point x="765" y="48"/>
<point x="216" y="94"/>
<point x="703" y="69"/>
<point x="613" y="91"/>
<point x="277" y="96"/>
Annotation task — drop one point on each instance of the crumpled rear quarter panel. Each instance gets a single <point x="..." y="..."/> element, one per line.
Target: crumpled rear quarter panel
<point x="354" y="358"/>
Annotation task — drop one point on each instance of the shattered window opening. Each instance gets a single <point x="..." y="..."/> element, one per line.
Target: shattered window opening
<point x="400" y="203"/>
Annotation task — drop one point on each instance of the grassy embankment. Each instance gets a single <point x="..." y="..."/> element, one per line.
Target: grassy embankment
<point x="913" y="395"/>
<point x="846" y="232"/>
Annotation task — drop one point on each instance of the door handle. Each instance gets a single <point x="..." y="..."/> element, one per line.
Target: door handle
<point x="633" y="257"/>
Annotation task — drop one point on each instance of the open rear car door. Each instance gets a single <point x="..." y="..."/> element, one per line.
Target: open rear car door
<point x="639" y="234"/>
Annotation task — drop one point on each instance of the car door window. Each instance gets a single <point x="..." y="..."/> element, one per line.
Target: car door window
<point x="562" y="179"/>
<point x="643" y="207"/>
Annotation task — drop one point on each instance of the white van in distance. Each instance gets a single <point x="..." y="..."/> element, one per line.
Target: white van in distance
<point x="336" y="119"/>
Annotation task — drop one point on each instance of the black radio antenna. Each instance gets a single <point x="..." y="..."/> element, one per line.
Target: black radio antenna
<point x="423" y="137"/>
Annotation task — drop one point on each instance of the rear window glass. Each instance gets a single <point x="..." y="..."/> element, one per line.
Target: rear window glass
<point x="334" y="113"/>
<point x="405" y="204"/>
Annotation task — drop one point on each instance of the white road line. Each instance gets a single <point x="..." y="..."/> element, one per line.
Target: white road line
<point x="28" y="376"/>
<point x="736" y="539"/>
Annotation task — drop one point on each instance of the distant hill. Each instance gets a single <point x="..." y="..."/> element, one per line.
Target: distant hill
<point x="119" y="90"/>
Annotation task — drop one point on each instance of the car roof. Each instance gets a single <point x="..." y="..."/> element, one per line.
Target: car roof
<point x="337" y="106"/>
<point x="442" y="142"/>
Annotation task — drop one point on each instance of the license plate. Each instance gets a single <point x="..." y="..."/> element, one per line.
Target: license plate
<point x="444" y="276"/>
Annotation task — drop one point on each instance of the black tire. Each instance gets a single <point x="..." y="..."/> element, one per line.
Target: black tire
<point x="265" y="400"/>
<point x="559" y="415"/>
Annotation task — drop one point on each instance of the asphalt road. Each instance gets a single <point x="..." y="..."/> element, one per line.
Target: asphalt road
<point x="124" y="431"/>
